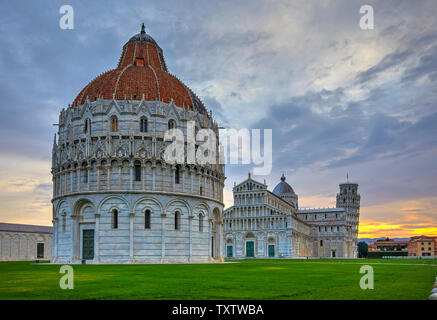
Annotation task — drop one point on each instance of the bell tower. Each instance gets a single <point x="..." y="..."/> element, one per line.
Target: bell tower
<point x="349" y="199"/>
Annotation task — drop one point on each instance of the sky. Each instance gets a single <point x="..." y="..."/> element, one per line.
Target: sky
<point x="340" y="100"/>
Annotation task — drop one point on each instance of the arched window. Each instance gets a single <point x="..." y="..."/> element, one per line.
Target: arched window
<point x="64" y="222"/>
<point x="84" y="172"/>
<point x="200" y="222"/>
<point x="147" y="219"/>
<point x="321" y="243"/>
<point x="171" y="124"/>
<point x="137" y="171"/>
<point x="177" y="174"/>
<point x="114" y="124"/>
<point x="177" y="217"/>
<point x="87" y="126"/>
<point x="143" y="125"/>
<point x="115" y="219"/>
<point x="201" y="190"/>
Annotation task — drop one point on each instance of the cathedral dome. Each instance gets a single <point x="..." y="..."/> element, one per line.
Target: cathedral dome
<point x="283" y="188"/>
<point x="141" y="73"/>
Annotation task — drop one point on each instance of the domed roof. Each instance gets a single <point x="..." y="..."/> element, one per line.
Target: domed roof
<point x="283" y="188"/>
<point x="141" y="72"/>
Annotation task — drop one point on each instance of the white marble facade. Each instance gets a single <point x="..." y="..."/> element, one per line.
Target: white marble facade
<point x="25" y="242"/>
<point x="265" y="224"/>
<point x="102" y="171"/>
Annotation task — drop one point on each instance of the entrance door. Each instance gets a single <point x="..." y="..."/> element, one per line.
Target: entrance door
<point x="333" y="254"/>
<point x="229" y="251"/>
<point x="271" y="250"/>
<point x="250" y="252"/>
<point x="88" y="244"/>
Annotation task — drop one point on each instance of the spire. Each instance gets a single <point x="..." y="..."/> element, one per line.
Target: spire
<point x="347" y="177"/>
<point x="248" y="174"/>
<point x="283" y="177"/>
<point x="143" y="28"/>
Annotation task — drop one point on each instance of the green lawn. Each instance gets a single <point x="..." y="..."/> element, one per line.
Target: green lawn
<point x="249" y="279"/>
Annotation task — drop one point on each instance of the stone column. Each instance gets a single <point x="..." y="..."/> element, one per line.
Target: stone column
<point x="74" y="238"/>
<point x="143" y="176"/>
<point x="97" y="236"/>
<point x="190" y="227"/>
<point x="79" y="169"/>
<point x="54" y="240"/>
<point x="71" y="180"/>
<point x="173" y="182"/>
<point x="98" y="177"/>
<point x="183" y="178"/>
<point x="88" y="176"/>
<point x="131" y="235"/>
<point x="220" y="240"/>
<point x="192" y="182"/>
<point x="210" y="253"/>
<point x="65" y="181"/>
<point x="163" y="215"/>
<point x="108" y="176"/>
<point x="163" y="174"/>
<point x="131" y="180"/>
<point x="153" y="176"/>
<point x="120" y="175"/>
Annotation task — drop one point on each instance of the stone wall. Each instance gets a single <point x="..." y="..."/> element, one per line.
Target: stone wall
<point x="15" y="246"/>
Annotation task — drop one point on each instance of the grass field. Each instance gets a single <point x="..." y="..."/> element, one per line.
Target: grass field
<point x="247" y="279"/>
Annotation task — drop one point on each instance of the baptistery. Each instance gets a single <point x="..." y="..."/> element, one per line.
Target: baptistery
<point x="116" y="199"/>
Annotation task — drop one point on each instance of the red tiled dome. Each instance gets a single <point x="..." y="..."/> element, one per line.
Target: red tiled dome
<point x="141" y="71"/>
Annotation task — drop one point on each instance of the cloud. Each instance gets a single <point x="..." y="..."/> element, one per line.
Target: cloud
<point x="339" y="99"/>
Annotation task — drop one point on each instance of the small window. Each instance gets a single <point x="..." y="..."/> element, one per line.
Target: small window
<point x="84" y="173"/>
<point x="114" y="124"/>
<point x="64" y="222"/>
<point x="177" y="220"/>
<point x="147" y="220"/>
<point x="171" y="124"/>
<point x="201" y="190"/>
<point x="201" y="223"/>
<point x="143" y="125"/>
<point x="137" y="171"/>
<point x="139" y="62"/>
<point x="321" y="243"/>
<point x="115" y="219"/>
<point x="87" y="126"/>
<point x="40" y="250"/>
<point x="177" y="175"/>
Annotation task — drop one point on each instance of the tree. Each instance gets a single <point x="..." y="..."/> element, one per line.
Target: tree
<point x="362" y="249"/>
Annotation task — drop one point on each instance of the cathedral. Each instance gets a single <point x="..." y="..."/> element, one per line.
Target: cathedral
<point x="115" y="198"/>
<point x="265" y="224"/>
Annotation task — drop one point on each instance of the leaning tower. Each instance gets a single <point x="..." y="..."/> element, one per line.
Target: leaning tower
<point x="349" y="199"/>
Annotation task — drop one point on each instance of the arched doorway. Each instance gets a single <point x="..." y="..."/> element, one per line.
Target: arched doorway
<point x="216" y="234"/>
<point x="250" y="245"/>
<point x="84" y="237"/>
<point x="229" y="248"/>
<point x="271" y="247"/>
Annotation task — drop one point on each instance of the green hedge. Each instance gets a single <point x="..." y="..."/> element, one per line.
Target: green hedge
<point x="379" y="254"/>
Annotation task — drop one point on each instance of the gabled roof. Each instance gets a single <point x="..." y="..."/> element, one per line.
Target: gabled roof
<point x="25" y="228"/>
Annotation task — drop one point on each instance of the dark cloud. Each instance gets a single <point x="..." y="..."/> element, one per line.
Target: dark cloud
<point x="253" y="63"/>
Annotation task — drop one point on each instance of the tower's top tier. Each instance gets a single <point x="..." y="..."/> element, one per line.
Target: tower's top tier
<point x="141" y="73"/>
<point x="348" y="188"/>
